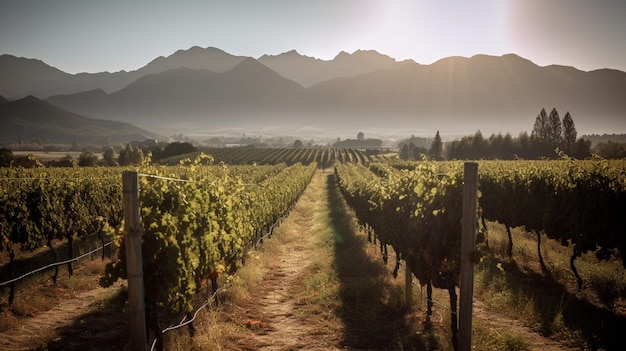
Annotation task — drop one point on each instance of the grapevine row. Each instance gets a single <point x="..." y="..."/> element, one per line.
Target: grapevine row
<point x="193" y="231"/>
<point x="39" y="207"/>
<point x="574" y="202"/>
<point x="417" y="212"/>
<point x="42" y="207"/>
<point x="323" y="156"/>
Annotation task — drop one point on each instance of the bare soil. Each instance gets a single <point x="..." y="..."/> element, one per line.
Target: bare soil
<point x="38" y="331"/>
<point x="272" y="311"/>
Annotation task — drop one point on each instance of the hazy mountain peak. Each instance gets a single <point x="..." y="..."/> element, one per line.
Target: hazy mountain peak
<point x="450" y="59"/>
<point x="30" y="98"/>
<point x="250" y="66"/>
<point x="287" y="55"/>
<point x="292" y="53"/>
<point x="210" y="58"/>
<point x="510" y="58"/>
<point x="341" y="54"/>
<point x="371" y="55"/>
<point x="197" y="50"/>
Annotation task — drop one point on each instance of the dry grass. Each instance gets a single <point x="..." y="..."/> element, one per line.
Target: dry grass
<point x="549" y="302"/>
<point x="37" y="294"/>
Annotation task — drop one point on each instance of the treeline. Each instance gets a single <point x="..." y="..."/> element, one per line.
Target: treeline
<point x="133" y="154"/>
<point x="498" y="147"/>
<point x="610" y="149"/>
<point x="550" y="133"/>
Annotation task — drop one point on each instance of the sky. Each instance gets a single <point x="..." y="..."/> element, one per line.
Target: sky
<point x="97" y="35"/>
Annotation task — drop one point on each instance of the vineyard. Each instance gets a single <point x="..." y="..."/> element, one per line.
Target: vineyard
<point x="325" y="157"/>
<point x="416" y="209"/>
<point x="198" y="221"/>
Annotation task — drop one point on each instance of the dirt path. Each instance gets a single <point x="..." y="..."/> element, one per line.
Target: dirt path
<point x="271" y="309"/>
<point x="41" y="329"/>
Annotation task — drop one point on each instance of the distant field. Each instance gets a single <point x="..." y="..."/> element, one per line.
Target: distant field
<point x="45" y="156"/>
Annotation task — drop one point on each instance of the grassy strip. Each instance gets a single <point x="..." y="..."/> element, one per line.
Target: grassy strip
<point x="550" y="303"/>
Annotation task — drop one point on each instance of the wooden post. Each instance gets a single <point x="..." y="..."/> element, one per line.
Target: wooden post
<point x="468" y="244"/>
<point x="134" y="261"/>
<point x="408" y="290"/>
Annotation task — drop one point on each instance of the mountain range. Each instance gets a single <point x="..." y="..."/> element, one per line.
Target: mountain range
<point x="206" y="89"/>
<point x="32" y="119"/>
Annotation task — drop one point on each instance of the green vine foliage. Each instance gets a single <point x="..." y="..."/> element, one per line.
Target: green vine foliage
<point x="417" y="211"/>
<point x="202" y="226"/>
<point x="571" y="201"/>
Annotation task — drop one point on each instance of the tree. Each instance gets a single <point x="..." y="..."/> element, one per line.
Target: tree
<point x="541" y="126"/>
<point x="360" y="136"/>
<point x="137" y="157"/>
<point x="611" y="150"/>
<point x="87" y="159"/>
<point x="6" y="156"/>
<point x="547" y="132"/>
<point x="436" y="148"/>
<point x="298" y="144"/>
<point x="569" y="134"/>
<point x="507" y="148"/>
<point x="524" y="144"/>
<point x="109" y="157"/>
<point x="404" y="152"/>
<point x="555" y="130"/>
<point x="175" y="149"/>
<point x="131" y="156"/>
<point x="126" y="155"/>
<point x="479" y="146"/>
<point x="67" y="161"/>
<point x="582" y="149"/>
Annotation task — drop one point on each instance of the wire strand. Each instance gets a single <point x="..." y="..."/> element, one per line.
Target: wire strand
<point x="165" y="178"/>
<point x="55" y="264"/>
<point x="183" y="322"/>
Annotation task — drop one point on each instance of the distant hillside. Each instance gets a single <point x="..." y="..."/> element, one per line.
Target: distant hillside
<point x="456" y="95"/>
<point x="248" y="94"/>
<point x="31" y="119"/>
<point x="482" y="92"/>
<point x="20" y="77"/>
<point x="210" y="59"/>
<point x="203" y="89"/>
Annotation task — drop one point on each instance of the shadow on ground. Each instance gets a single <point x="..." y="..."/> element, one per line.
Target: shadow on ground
<point x="373" y="309"/>
<point x="105" y="328"/>
<point x="601" y="329"/>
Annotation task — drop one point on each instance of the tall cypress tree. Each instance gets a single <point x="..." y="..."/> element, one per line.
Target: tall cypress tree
<point x="569" y="134"/>
<point x="436" y="148"/>
<point x="540" y="129"/>
<point x="555" y="130"/>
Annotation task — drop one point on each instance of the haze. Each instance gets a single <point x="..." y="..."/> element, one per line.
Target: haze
<point x="95" y="36"/>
